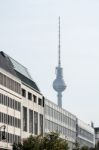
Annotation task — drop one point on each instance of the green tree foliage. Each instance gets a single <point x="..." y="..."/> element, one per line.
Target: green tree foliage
<point x="84" y="148"/>
<point x="97" y="146"/>
<point x="17" y="146"/>
<point x="78" y="147"/>
<point x="51" y="141"/>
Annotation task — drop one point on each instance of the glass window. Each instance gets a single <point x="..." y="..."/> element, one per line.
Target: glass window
<point x="43" y="101"/>
<point x="9" y="83"/>
<point x="40" y="101"/>
<point x="41" y="123"/>
<point x="30" y="121"/>
<point x="24" y="118"/>
<point x="35" y="123"/>
<point x="34" y="98"/>
<point x="29" y="96"/>
<point x="23" y="92"/>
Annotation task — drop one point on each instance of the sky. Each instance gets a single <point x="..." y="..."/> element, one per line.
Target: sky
<point x="29" y="34"/>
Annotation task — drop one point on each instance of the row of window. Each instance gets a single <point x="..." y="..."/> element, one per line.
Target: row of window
<point x="59" y="116"/>
<point x="10" y="138"/>
<point x="10" y="84"/>
<point x="51" y="126"/>
<point x="33" y="121"/>
<point x="32" y="97"/>
<point x="10" y="120"/>
<point x="85" y="134"/>
<point x="16" y="87"/>
<point x="82" y="142"/>
<point x="7" y="101"/>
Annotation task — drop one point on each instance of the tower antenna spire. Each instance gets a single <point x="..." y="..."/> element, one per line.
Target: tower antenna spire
<point x="59" y="61"/>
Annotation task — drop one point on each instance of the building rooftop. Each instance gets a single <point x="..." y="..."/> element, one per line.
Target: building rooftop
<point x="16" y="69"/>
<point x="6" y="64"/>
<point x="27" y="81"/>
<point x="20" y="68"/>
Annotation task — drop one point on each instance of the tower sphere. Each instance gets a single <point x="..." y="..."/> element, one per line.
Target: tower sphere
<point x="59" y="84"/>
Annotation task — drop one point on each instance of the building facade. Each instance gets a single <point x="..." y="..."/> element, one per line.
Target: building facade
<point x="96" y="134"/>
<point x="85" y="134"/>
<point x="68" y="126"/>
<point x="59" y="120"/>
<point x="21" y="103"/>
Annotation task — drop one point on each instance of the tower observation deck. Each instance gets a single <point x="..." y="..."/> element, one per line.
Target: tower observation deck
<point x="59" y="84"/>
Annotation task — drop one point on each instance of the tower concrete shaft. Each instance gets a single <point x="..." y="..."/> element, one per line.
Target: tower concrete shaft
<point x="59" y="100"/>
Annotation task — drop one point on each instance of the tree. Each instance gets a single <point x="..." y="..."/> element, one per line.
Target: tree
<point x="17" y="146"/>
<point x="50" y="141"/>
<point x="31" y="143"/>
<point x="76" y="146"/>
<point x="97" y="146"/>
<point x="84" y="148"/>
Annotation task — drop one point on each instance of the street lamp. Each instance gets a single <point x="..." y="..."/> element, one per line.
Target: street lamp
<point x="3" y="132"/>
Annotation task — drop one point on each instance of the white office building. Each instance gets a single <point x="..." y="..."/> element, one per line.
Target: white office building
<point x="59" y="120"/>
<point x="21" y="103"/>
<point x="85" y="134"/>
<point x="68" y="126"/>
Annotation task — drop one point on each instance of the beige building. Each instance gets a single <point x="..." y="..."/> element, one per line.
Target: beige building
<point x="21" y="103"/>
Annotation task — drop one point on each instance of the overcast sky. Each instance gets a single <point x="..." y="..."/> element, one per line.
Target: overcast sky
<point x="29" y="34"/>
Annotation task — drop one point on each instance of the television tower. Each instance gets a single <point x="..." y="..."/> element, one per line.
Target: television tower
<point x="59" y="84"/>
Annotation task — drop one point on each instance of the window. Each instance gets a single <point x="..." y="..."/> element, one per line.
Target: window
<point x="10" y="138"/>
<point x="30" y="121"/>
<point x="4" y="80"/>
<point x="16" y="122"/>
<point x="35" y="123"/>
<point x="34" y="98"/>
<point x="9" y="83"/>
<point x="1" y="78"/>
<point x="39" y="101"/>
<point x="24" y="118"/>
<point x="7" y="101"/>
<point x="43" y="101"/>
<point x="16" y="105"/>
<point x="10" y="120"/>
<point x="11" y="102"/>
<point x="41" y="123"/>
<point x="23" y="93"/>
<point x="29" y="96"/>
<point x="19" y="106"/>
